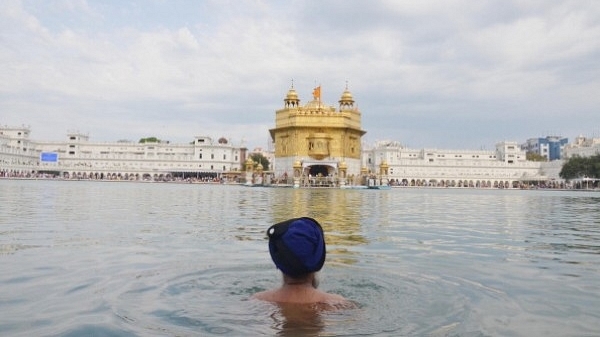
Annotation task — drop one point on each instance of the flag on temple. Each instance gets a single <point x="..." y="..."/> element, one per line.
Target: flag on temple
<point x="317" y="93"/>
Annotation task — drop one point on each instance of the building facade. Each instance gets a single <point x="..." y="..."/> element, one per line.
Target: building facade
<point x="506" y="167"/>
<point x="316" y="140"/>
<point x="313" y="144"/>
<point x="550" y="147"/>
<point x="78" y="157"/>
<point x="582" y="147"/>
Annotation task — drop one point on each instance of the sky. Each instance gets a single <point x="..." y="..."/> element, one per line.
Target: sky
<point x="428" y="74"/>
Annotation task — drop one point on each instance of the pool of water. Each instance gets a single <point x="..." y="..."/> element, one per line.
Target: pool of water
<point x="143" y="259"/>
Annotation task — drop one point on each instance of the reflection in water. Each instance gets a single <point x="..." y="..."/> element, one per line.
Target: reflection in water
<point x="338" y="211"/>
<point x="310" y="319"/>
<point x="297" y="320"/>
<point x="180" y="259"/>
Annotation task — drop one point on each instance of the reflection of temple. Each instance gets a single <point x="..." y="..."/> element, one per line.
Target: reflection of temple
<point x="339" y="211"/>
<point x="317" y="144"/>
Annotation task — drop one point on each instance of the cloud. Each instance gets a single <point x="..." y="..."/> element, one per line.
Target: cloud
<point x="451" y="74"/>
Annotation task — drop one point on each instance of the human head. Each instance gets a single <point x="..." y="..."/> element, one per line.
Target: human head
<point x="297" y="246"/>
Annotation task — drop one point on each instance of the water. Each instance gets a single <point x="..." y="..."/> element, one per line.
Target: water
<point x="153" y="259"/>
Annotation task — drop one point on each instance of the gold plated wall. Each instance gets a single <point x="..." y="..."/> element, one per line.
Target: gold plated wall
<point x="316" y="130"/>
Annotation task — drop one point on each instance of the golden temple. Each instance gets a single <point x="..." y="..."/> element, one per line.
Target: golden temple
<point x="316" y="139"/>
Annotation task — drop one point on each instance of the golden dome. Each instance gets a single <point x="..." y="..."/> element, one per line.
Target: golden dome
<point x="346" y="95"/>
<point x="292" y="95"/>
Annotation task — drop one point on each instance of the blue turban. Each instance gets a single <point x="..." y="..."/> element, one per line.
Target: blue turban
<point x="297" y="246"/>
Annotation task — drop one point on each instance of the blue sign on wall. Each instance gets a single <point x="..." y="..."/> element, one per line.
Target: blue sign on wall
<point x="49" y="157"/>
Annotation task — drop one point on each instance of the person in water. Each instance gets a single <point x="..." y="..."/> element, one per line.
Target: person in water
<point x="297" y="247"/>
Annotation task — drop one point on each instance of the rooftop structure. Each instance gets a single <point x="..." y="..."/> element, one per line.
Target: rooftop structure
<point x="583" y="147"/>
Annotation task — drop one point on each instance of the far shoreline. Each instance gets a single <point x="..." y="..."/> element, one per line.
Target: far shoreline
<point x="200" y="182"/>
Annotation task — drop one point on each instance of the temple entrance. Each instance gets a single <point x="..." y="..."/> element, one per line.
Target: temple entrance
<point x="318" y="170"/>
<point x="319" y="176"/>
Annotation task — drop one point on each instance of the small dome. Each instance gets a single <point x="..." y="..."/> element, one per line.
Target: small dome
<point x="346" y="95"/>
<point x="292" y="95"/>
<point x="223" y="140"/>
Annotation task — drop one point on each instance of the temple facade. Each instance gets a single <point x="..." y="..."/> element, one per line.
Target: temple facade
<point x="317" y="143"/>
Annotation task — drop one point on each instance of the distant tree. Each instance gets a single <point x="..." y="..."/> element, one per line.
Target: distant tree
<point x="579" y="167"/>
<point x="532" y="156"/>
<point x="259" y="158"/>
<point x="150" y="140"/>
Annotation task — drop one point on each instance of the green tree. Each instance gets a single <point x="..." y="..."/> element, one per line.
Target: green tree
<point x="595" y="166"/>
<point x="150" y="140"/>
<point x="258" y="158"/>
<point x="532" y="156"/>
<point x="579" y="167"/>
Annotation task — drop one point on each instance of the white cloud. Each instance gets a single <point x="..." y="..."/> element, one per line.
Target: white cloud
<point x="436" y="68"/>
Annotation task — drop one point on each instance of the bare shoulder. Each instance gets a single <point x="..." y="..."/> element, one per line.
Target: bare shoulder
<point x="338" y="301"/>
<point x="331" y="298"/>
<point x="268" y="295"/>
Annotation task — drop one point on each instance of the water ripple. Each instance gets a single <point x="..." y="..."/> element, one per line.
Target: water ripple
<point x="181" y="259"/>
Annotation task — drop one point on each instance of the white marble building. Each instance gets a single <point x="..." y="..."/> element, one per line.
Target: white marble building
<point x="77" y="156"/>
<point x="505" y="167"/>
<point x="204" y="158"/>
